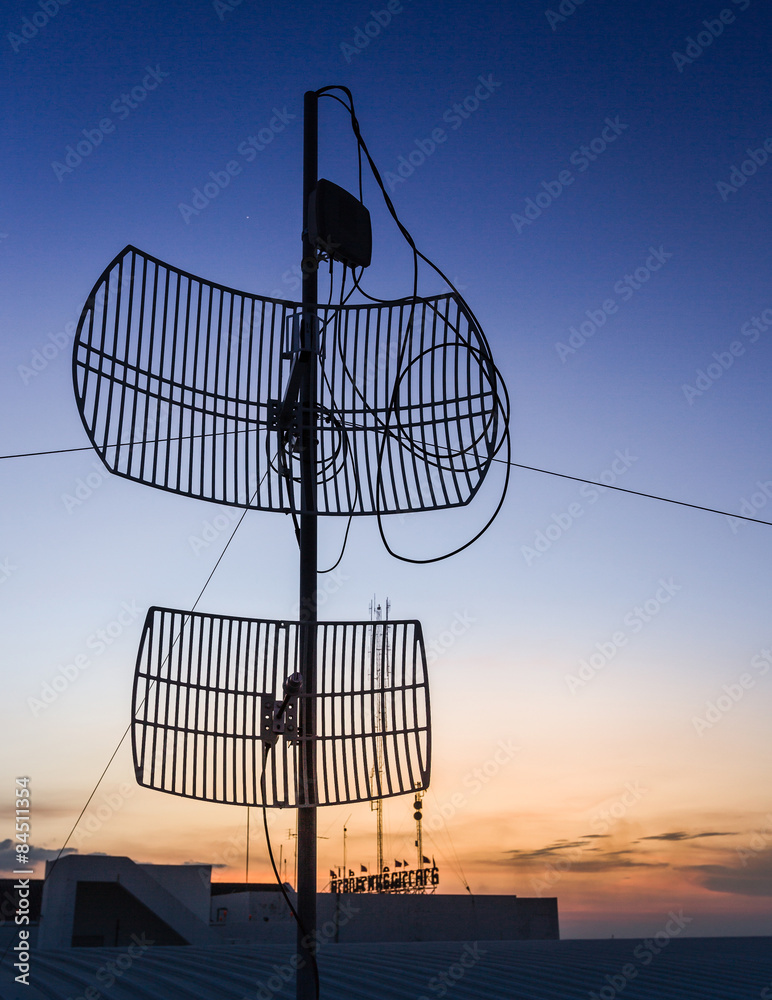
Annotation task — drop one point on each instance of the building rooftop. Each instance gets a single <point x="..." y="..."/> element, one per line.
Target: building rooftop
<point x="683" y="969"/>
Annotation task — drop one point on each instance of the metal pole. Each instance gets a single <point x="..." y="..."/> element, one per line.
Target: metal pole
<point x="306" y="842"/>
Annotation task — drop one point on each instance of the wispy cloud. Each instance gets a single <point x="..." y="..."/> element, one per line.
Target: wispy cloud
<point x="754" y="879"/>
<point x="552" y="851"/>
<point x="681" y="835"/>
<point x="35" y="854"/>
<point x="41" y="810"/>
<point x="582" y="856"/>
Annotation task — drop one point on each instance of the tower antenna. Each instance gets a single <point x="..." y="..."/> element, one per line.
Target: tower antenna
<point x="379" y="643"/>
<point x="366" y="409"/>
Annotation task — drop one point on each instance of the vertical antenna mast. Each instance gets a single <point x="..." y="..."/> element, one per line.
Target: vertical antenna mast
<point x="306" y="887"/>
<point x="419" y="837"/>
<point x="379" y="638"/>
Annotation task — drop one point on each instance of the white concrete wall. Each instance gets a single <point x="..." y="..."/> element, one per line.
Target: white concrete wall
<point x="58" y="908"/>
<point x="180" y="895"/>
<point x="370" y="918"/>
<point x="254" y="917"/>
<point x="191" y="884"/>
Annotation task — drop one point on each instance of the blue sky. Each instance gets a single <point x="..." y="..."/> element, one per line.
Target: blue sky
<point x="204" y="78"/>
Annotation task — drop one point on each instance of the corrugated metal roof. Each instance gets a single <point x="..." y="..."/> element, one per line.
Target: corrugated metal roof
<point x="685" y="969"/>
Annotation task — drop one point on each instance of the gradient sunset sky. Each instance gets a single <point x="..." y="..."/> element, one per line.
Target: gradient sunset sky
<point x="601" y="727"/>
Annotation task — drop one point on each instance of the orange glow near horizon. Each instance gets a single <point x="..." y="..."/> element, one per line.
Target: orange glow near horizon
<point x="618" y="863"/>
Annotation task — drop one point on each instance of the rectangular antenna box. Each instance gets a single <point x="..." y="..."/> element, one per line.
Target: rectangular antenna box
<point x="340" y="225"/>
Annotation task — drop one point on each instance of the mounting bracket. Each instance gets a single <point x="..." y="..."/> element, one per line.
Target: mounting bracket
<point x="283" y="414"/>
<point x="275" y="722"/>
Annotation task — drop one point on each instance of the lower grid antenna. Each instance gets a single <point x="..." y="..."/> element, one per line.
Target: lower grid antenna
<point x="367" y="409"/>
<point x="210" y="691"/>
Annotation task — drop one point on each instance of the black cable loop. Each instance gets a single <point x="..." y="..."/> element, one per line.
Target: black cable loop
<point x="393" y="404"/>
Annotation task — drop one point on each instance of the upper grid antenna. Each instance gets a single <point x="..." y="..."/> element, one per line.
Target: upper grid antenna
<point x="199" y="389"/>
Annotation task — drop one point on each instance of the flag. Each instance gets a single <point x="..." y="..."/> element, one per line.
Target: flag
<point x="362" y="868"/>
<point x="397" y="864"/>
<point x="405" y="864"/>
<point x="425" y="860"/>
<point x="332" y="874"/>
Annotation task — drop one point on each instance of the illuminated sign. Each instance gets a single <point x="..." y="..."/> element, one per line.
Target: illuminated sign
<point x="398" y="881"/>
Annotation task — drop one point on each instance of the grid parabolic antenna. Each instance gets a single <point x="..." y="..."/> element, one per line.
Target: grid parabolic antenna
<point x="179" y="383"/>
<point x="202" y="684"/>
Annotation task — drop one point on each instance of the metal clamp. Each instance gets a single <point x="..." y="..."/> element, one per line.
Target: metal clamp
<point x="279" y="718"/>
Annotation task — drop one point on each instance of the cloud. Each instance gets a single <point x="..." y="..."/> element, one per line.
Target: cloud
<point x="8" y="861"/>
<point x="551" y="851"/>
<point x="41" y="810"/>
<point x="681" y="835"/>
<point x="753" y="878"/>
<point x="575" y="856"/>
<point x="612" y="863"/>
